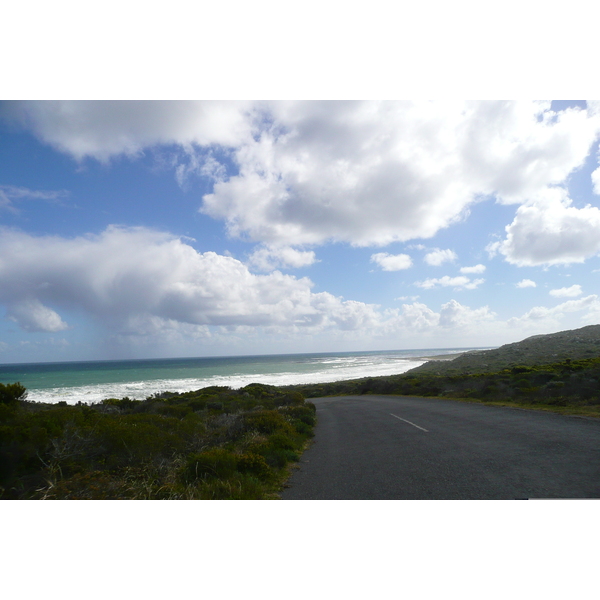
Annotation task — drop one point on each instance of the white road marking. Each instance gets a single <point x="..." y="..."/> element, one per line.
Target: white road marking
<point x="397" y="417"/>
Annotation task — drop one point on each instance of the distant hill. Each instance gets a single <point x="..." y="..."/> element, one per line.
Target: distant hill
<point x="573" y="344"/>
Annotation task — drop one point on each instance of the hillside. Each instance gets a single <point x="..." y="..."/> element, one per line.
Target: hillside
<point x="559" y="372"/>
<point x="574" y="344"/>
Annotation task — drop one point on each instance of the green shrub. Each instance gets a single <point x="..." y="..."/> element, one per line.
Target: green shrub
<point x="196" y="404"/>
<point x="291" y="398"/>
<point x="267" y="421"/>
<point x="259" y="390"/>
<point x="521" y="369"/>
<point x="11" y="393"/>
<point x="282" y="441"/>
<point x="279" y="457"/>
<point x="253" y="464"/>
<point x="178" y="412"/>
<point x="239" y="487"/>
<point x="129" y="439"/>
<point x="304" y="413"/>
<point x="214" y="463"/>
<point x="123" y="448"/>
<point x="303" y="428"/>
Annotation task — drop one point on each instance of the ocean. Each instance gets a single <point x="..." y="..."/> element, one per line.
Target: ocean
<point x="93" y="381"/>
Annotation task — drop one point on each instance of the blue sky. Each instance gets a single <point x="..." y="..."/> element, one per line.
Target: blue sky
<point x="143" y="229"/>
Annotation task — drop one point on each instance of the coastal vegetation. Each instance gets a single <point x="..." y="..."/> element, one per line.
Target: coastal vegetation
<point x="568" y="387"/>
<point x="212" y="443"/>
<point x="220" y="443"/>
<point x="558" y="372"/>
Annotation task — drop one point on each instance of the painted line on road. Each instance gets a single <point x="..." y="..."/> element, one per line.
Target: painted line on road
<point x="397" y="417"/>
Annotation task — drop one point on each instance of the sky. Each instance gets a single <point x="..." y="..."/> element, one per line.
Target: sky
<point x="163" y="229"/>
<point x="139" y="229"/>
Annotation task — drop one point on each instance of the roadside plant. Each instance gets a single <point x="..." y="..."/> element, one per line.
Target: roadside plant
<point x="11" y="393"/>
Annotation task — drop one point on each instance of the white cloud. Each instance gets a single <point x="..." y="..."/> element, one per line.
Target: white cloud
<point x="493" y="248"/>
<point x="368" y="173"/>
<point x="438" y="257"/>
<point x="473" y="270"/>
<point x="270" y="258"/>
<point x="455" y="315"/>
<point x="31" y="315"/>
<point x="547" y="317"/>
<point x="373" y="173"/>
<point x="525" y="283"/>
<point x="105" y="129"/>
<point x="194" y="162"/>
<point x="549" y="231"/>
<point x="567" y="292"/>
<point x="596" y="181"/>
<point x="416" y="317"/>
<point x="10" y="193"/>
<point x="130" y="279"/>
<point x="446" y="281"/>
<point x="144" y="287"/>
<point x="392" y="262"/>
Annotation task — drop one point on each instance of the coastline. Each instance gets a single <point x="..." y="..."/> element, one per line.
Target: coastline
<point x="439" y="357"/>
<point x="92" y="382"/>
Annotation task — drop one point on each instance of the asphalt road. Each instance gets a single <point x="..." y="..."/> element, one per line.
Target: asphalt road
<point x="392" y="447"/>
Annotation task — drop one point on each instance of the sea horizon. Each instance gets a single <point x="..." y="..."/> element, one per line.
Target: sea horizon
<point x="92" y="381"/>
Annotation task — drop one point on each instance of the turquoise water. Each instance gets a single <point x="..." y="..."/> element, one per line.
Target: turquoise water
<point x="93" y="381"/>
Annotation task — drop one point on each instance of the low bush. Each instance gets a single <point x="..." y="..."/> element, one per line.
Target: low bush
<point x="216" y="463"/>
<point x="253" y="464"/>
<point x="11" y="393"/>
<point x="565" y="385"/>
<point x="209" y="443"/>
<point x="267" y="421"/>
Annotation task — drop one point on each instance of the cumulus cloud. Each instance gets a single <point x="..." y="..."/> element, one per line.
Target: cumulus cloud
<point x="454" y="314"/>
<point x="438" y="257"/>
<point x="368" y="173"/>
<point x="459" y="282"/>
<point x="419" y="318"/>
<point x="549" y="231"/>
<point x="272" y="257"/>
<point x="392" y="262"/>
<point x="142" y="285"/>
<point x="473" y="270"/>
<point x="374" y="173"/>
<point x="104" y="129"/>
<point x="525" y="283"/>
<point x="416" y="316"/>
<point x="31" y="315"/>
<point x="550" y="316"/>
<point x="567" y="292"/>
<point x="127" y="278"/>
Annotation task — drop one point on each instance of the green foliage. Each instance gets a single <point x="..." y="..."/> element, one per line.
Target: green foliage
<point x="267" y="421"/>
<point x="210" y="443"/>
<point x="253" y="464"/>
<point x="216" y="463"/>
<point x="571" y="383"/>
<point x="123" y="403"/>
<point x="305" y="413"/>
<point x="11" y="393"/>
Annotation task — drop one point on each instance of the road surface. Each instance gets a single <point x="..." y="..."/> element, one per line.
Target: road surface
<point x="395" y="447"/>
